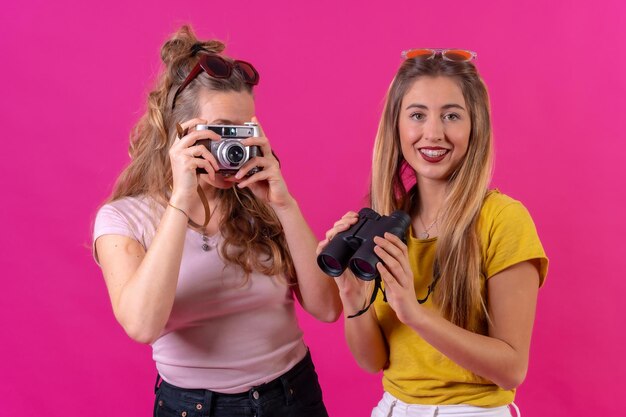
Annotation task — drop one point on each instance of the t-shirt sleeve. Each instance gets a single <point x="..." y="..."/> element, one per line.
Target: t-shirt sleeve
<point x="111" y="221"/>
<point x="513" y="239"/>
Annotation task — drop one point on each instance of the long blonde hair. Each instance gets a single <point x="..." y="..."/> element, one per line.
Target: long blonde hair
<point x="459" y="291"/>
<point x="248" y="225"/>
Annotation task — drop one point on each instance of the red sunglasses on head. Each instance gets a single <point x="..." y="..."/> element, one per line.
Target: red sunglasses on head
<point x="218" y="67"/>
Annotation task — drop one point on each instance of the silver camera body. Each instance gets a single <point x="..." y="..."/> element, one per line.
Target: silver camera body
<point x="229" y="153"/>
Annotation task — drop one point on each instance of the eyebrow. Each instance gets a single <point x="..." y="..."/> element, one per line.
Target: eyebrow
<point x="222" y="122"/>
<point x="444" y="107"/>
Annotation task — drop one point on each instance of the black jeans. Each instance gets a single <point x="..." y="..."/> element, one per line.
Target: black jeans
<point x="297" y="393"/>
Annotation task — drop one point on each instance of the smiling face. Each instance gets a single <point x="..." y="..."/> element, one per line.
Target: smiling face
<point x="434" y="126"/>
<point x="224" y="108"/>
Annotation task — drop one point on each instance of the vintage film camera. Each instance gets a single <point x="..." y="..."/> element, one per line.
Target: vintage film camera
<point x="355" y="246"/>
<point x="229" y="152"/>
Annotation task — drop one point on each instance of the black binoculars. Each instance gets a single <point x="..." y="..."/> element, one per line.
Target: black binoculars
<point x="355" y="246"/>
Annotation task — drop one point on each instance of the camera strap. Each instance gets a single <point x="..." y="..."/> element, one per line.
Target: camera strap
<point x="377" y="287"/>
<point x="207" y="211"/>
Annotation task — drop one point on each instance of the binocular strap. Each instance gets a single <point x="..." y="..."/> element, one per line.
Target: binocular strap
<point x="377" y="287"/>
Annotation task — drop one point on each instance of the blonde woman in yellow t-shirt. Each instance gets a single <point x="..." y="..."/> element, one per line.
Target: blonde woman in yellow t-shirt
<point x="453" y="335"/>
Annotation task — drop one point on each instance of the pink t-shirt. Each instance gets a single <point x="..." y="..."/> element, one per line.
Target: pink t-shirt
<point x="224" y="333"/>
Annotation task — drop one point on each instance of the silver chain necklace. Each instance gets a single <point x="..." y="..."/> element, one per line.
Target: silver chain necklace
<point x="425" y="234"/>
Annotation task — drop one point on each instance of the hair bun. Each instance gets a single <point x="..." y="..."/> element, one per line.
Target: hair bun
<point x="184" y="43"/>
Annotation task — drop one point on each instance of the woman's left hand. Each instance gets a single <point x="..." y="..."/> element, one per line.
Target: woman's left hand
<point x="268" y="184"/>
<point x="395" y="271"/>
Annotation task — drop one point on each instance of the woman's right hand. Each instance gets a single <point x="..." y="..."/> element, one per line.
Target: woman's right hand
<point x="186" y="157"/>
<point x="363" y="333"/>
<point x="354" y="292"/>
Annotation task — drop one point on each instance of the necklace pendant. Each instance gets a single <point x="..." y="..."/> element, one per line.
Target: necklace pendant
<point x="423" y="235"/>
<point x="205" y="244"/>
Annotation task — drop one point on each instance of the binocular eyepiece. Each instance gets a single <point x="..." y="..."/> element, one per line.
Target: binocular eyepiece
<point x="354" y="248"/>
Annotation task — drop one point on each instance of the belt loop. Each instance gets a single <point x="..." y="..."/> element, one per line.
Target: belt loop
<point x="208" y="403"/>
<point x="393" y="405"/>
<point x="287" y="390"/>
<point x="157" y="383"/>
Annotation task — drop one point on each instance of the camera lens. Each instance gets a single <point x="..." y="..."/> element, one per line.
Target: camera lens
<point x="235" y="154"/>
<point x="331" y="263"/>
<point x="363" y="269"/>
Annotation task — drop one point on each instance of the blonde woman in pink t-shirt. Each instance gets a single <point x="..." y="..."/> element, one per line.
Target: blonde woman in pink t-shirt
<point x="205" y="266"/>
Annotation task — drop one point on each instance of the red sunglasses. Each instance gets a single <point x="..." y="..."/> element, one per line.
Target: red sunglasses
<point x="218" y="67"/>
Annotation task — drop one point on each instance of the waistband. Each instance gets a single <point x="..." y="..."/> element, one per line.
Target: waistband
<point x="389" y="405"/>
<point x="282" y="384"/>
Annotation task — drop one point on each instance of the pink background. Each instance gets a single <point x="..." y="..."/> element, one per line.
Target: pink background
<point x="74" y="80"/>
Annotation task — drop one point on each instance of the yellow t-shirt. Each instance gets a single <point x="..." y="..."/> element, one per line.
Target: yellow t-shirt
<point x="417" y="372"/>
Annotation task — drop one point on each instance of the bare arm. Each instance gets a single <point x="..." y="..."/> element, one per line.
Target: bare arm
<point x="142" y="285"/>
<point x="502" y="356"/>
<point x="316" y="292"/>
<point x="363" y="334"/>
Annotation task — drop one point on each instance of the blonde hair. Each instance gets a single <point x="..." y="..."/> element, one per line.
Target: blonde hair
<point x="459" y="291"/>
<point x="248" y="225"/>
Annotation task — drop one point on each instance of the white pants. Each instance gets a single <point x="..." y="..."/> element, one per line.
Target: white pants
<point x="390" y="406"/>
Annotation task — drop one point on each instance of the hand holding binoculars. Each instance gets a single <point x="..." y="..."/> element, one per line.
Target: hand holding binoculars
<point x="354" y="248"/>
